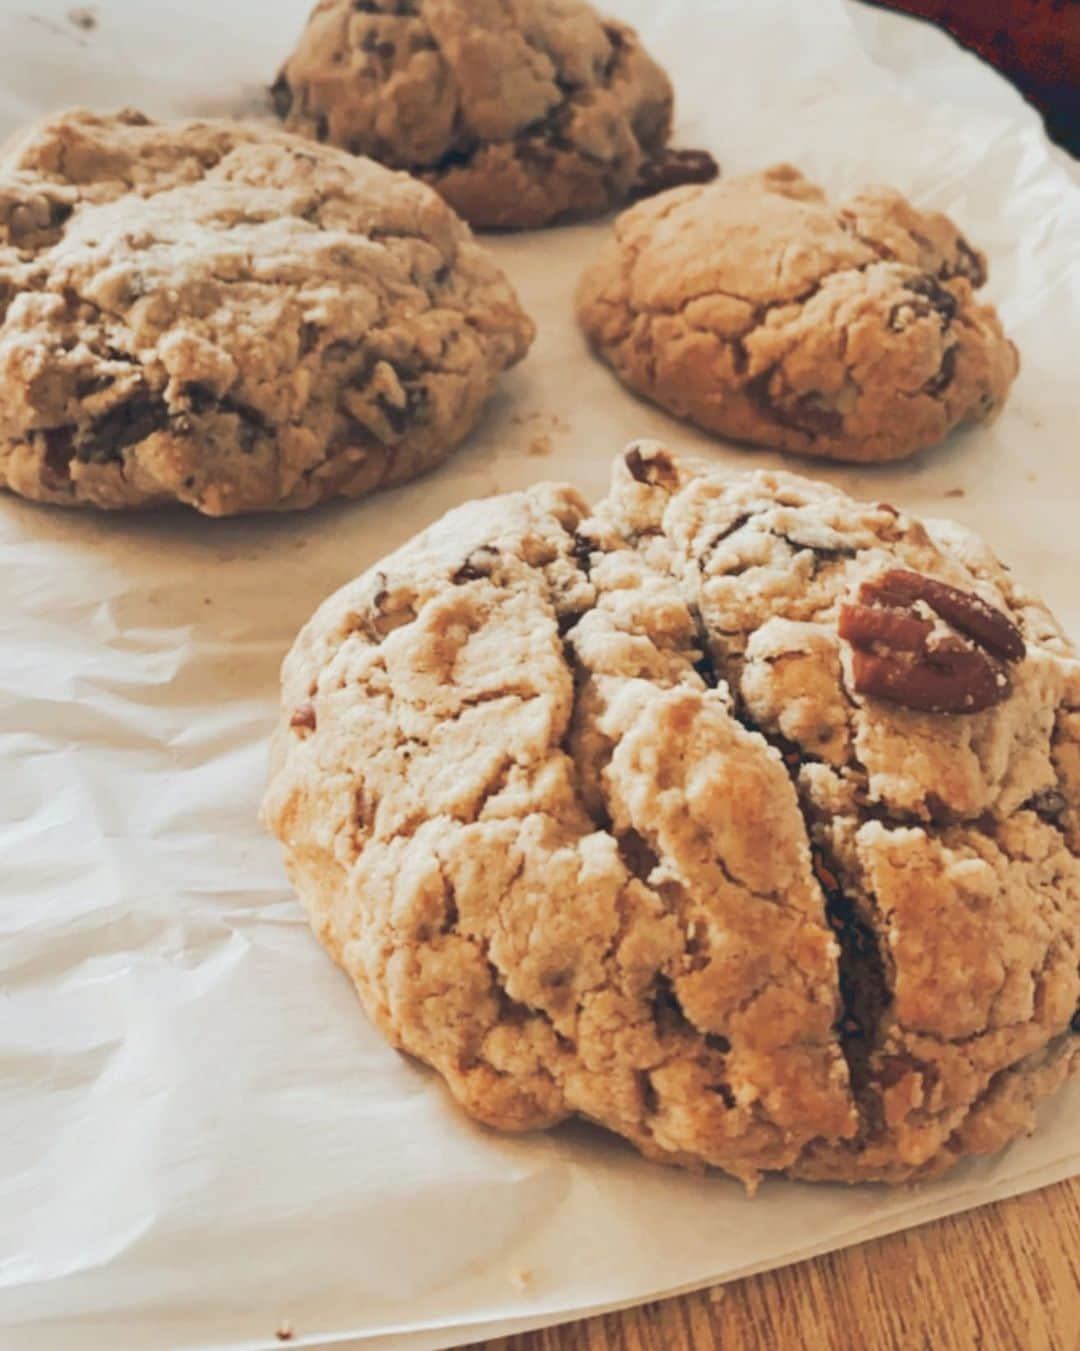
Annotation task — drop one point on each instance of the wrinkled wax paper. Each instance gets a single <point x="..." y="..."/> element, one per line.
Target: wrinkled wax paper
<point x="200" y="1135"/>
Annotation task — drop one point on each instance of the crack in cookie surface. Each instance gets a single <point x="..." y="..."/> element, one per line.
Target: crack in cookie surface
<point x="633" y="847"/>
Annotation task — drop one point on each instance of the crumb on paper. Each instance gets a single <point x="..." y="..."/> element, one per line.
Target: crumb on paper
<point x="554" y="422"/>
<point x="520" y="1278"/>
<point x="84" y="17"/>
<point x="956" y="492"/>
<point x="285" y="1331"/>
<point x="1032" y="477"/>
<point x="540" y="445"/>
<point x="42" y="22"/>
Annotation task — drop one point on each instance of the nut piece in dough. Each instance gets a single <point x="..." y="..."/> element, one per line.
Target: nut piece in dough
<point x="588" y="805"/>
<point x="757" y="310"/>
<point x="519" y="112"/>
<point x="230" y="317"/>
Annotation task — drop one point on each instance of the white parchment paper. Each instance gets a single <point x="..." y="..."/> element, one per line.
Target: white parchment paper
<point x="200" y="1135"/>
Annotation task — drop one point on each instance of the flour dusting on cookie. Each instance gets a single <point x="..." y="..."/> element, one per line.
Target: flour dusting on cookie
<point x="226" y="316"/>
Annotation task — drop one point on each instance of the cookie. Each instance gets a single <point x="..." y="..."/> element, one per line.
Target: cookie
<point x="760" y="312"/>
<point x="735" y="815"/>
<point x="230" y="317"/>
<point x="519" y="112"/>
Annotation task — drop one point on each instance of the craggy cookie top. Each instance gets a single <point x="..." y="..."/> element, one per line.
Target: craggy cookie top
<point x="231" y="317"/>
<point x="759" y="311"/>
<point x="604" y="814"/>
<point x="520" y="112"/>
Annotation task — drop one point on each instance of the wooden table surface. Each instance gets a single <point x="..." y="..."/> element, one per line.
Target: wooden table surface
<point x="1002" y="1278"/>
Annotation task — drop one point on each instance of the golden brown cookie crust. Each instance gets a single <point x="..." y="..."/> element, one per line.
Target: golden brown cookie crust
<point x="589" y="807"/>
<point x="760" y="312"/>
<point x="232" y="318"/>
<point x="519" y="112"/>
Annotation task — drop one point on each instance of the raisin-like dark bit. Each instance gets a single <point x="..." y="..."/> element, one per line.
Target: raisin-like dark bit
<point x="400" y="7"/>
<point x="811" y="413"/>
<point x="281" y="96"/>
<point x="201" y="398"/>
<point x="125" y="425"/>
<point x="673" y="169"/>
<point x="250" y="425"/>
<point x="943" y="377"/>
<point x="724" y="1093"/>
<point x="399" y="418"/>
<point x="707" y="671"/>
<point x="1049" y="804"/>
<point x="970" y="264"/>
<point x="93" y="384"/>
<point x="939" y="297"/>
<point x="581" y="550"/>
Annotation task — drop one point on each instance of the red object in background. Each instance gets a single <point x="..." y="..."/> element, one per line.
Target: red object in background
<point x="1033" y="43"/>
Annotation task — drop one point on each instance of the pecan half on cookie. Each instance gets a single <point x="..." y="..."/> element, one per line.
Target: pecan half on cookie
<point x="901" y="654"/>
<point x="586" y="809"/>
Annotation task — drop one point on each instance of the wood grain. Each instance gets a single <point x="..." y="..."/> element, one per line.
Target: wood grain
<point x="1002" y="1278"/>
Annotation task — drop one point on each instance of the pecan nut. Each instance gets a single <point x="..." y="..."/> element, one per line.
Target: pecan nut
<point x="932" y="682"/>
<point x="864" y="625"/>
<point x="900" y="655"/>
<point x="965" y="611"/>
